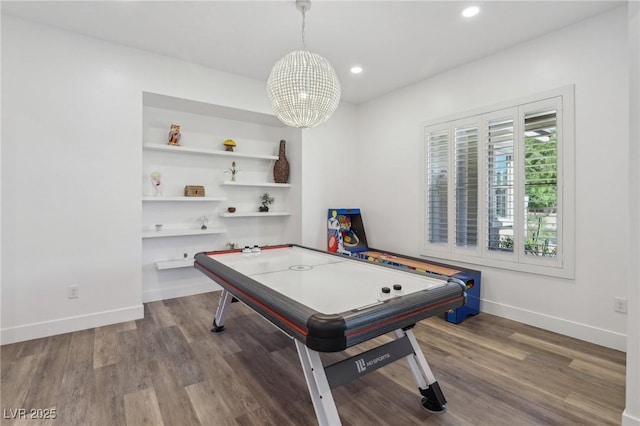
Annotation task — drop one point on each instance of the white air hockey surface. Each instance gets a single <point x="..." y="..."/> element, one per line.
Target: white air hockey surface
<point x="326" y="283"/>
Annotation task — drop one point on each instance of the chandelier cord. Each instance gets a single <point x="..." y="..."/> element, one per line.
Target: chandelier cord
<point x="304" y="45"/>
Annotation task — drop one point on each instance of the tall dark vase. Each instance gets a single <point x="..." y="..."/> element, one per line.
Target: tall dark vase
<point x="281" y="167"/>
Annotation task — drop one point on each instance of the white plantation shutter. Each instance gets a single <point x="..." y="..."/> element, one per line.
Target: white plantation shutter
<point x="494" y="185"/>
<point x="466" y="186"/>
<point x="500" y="178"/>
<point x="437" y="186"/>
<point x="540" y="183"/>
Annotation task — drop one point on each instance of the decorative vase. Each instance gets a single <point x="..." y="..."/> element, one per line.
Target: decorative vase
<point x="156" y="183"/>
<point x="233" y="170"/>
<point x="281" y="166"/>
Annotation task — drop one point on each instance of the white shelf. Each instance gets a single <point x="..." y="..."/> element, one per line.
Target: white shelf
<point x="254" y="214"/>
<point x="181" y="232"/>
<point x="267" y="184"/>
<point x="203" y="160"/>
<point x="157" y="100"/>
<point x="205" y="151"/>
<point x="174" y="264"/>
<point x="182" y="198"/>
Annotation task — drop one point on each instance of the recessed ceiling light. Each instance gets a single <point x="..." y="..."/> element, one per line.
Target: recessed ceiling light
<point x="470" y="11"/>
<point x="356" y="69"/>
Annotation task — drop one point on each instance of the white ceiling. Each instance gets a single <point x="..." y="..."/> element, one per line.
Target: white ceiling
<point x="396" y="42"/>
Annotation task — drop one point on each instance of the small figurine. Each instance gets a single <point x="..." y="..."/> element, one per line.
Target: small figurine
<point x="174" y="135"/>
<point x="229" y="144"/>
<point x="156" y="182"/>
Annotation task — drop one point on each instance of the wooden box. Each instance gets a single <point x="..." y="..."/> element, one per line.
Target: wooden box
<point x="194" y="191"/>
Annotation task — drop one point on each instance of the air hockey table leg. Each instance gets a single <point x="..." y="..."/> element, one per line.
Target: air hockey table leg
<point x="221" y="312"/>
<point x="318" y="385"/>
<point x="433" y="399"/>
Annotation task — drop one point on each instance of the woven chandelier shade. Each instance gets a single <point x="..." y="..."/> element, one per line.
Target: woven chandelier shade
<point x="304" y="89"/>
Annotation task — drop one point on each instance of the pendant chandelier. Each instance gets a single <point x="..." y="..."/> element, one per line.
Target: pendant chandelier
<point x="303" y="87"/>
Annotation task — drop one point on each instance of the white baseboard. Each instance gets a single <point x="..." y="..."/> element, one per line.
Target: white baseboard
<point x="181" y="291"/>
<point x="70" y="324"/>
<point x="628" y="420"/>
<point x="562" y="326"/>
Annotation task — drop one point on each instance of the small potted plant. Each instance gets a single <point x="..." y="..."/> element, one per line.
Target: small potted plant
<point x="204" y="220"/>
<point x="266" y="200"/>
<point x="233" y="170"/>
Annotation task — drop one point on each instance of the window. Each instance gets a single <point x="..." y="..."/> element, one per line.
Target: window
<point x="541" y="183"/>
<point x="499" y="185"/>
<point x="437" y="165"/>
<point x="466" y="169"/>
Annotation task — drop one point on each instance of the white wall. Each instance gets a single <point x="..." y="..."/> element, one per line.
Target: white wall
<point x="71" y="165"/>
<point x="631" y="415"/>
<point x="591" y="55"/>
<point x="330" y="157"/>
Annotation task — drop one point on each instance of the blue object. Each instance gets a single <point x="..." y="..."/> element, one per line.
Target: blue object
<point x="472" y="307"/>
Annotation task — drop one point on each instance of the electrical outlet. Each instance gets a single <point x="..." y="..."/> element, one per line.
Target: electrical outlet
<point x="73" y="291"/>
<point x="620" y="305"/>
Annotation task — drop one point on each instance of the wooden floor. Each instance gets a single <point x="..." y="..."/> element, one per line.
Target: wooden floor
<point x="168" y="369"/>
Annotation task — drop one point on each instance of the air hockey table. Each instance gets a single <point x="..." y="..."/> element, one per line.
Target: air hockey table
<point x="327" y="303"/>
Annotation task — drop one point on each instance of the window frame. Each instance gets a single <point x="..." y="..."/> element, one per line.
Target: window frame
<point x="563" y="264"/>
